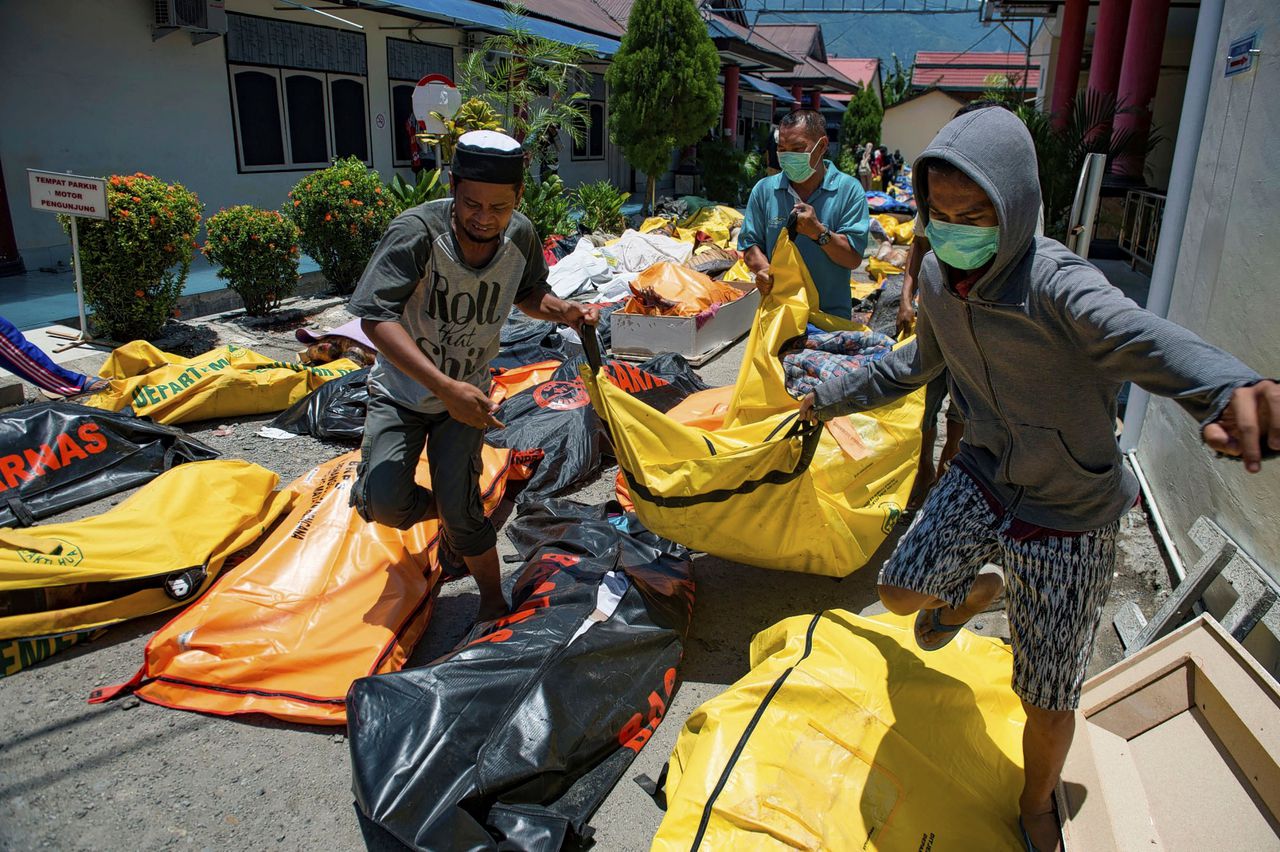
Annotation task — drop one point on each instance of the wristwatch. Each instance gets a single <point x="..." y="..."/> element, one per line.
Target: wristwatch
<point x="825" y="236"/>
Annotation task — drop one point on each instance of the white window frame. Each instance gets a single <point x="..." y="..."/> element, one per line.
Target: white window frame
<point x="326" y="79"/>
<point x="286" y="73"/>
<point x="333" y="137"/>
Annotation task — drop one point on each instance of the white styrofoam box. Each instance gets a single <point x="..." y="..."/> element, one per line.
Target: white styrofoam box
<point x="639" y="337"/>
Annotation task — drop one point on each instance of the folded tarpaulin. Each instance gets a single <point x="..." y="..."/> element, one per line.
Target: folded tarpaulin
<point x="57" y="455"/>
<point x="556" y="418"/>
<point x="821" y="500"/>
<point x="845" y="735"/>
<point x="157" y="550"/>
<point x="326" y="599"/>
<point x="226" y="382"/>
<point x="514" y="738"/>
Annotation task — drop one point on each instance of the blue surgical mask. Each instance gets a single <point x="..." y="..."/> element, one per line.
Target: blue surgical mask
<point x="962" y="246"/>
<point x="796" y="164"/>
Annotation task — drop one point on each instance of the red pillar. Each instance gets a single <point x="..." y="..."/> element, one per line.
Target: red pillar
<point x="1108" y="45"/>
<point x="797" y="96"/>
<point x="1139" y="76"/>
<point x="815" y="99"/>
<point x="1066" y="75"/>
<point x="730" y="120"/>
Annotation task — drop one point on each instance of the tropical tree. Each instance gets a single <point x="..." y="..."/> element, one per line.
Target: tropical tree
<point x="862" y="118"/>
<point x="897" y="83"/>
<point x="663" y="85"/>
<point x="531" y="83"/>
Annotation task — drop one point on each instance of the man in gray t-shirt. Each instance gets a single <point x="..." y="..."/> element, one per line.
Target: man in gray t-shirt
<point x="433" y="300"/>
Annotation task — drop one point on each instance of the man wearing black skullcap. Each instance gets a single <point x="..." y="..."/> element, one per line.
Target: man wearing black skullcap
<point x="433" y="299"/>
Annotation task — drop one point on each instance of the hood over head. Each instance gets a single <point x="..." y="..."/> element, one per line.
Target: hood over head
<point x="991" y="146"/>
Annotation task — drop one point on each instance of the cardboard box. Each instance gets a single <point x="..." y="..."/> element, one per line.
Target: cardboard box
<point x="638" y="337"/>
<point x="1176" y="748"/>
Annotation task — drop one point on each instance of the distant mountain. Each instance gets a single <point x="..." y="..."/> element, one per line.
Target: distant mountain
<point x="862" y="34"/>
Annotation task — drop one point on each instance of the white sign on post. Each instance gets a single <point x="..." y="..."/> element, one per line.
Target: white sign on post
<point x="435" y="93"/>
<point x="74" y="196"/>
<point x="71" y="195"/>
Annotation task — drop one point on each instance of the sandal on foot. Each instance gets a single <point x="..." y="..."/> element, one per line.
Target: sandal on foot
<point x="1026" y="838"/>
<point x="929" y="618"/>
<point x="1026" y="835"/>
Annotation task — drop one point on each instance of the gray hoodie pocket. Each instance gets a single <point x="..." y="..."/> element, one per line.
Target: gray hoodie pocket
<point x="1042" y="464"/>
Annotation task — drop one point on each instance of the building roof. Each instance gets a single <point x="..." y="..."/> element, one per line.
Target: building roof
<point x="861" y="71"/>
<point x="796" y="39"/>
<point x="733" y="39"/>
<point x="971" y="71"/>
<point x="494" y="19"/>
<point x="579" y="15"/>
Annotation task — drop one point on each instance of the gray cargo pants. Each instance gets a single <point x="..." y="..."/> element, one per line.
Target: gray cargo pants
<point x="387" y="493"/>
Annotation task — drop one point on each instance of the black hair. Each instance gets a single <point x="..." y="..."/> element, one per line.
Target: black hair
<point x="808" y="120"/>
<point x="980" y="104"/>
<point x="934" y="166"/>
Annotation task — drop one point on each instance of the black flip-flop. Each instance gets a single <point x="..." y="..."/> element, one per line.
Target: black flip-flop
<point x="948" y="631"/>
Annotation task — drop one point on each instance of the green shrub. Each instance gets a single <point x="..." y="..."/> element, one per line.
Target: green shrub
<point x="258" y="252"/>
<point x="135" y="263"/>
<point x="342" y="212"/>
<point x="725" y="176"/>
<point x="547" y="206"/>
<point x="601" y="205"/>
<point x="429" y="187"/>
<point x="848" y="162"/>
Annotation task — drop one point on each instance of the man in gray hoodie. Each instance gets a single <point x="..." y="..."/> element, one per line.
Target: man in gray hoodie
<point x="1037" y="343"/>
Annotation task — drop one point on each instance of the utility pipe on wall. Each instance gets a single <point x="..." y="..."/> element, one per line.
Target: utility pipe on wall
<point x="1195" y="101"/>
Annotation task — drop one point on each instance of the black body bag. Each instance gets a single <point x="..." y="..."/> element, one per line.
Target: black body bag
<point x="514" y="739"/>
<point x="55" y="456"/>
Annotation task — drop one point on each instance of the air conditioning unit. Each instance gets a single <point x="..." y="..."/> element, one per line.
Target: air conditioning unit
<point x="204" y="19"/>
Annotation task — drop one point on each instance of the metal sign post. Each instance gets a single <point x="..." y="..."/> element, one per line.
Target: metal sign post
<point x="73" y="196"/>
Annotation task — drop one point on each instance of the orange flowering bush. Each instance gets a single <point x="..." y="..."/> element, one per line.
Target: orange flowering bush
<point x="136" y="262"/>
<point x="342" y="212"/>
<point x="257" y="251"/>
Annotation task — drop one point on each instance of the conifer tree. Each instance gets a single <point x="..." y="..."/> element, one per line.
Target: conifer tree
<point x="663" y="85"/>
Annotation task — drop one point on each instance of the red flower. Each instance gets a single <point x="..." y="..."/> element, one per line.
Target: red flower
<point x="328" y="217"/>
<point x="345" y="182"/>
<point x="139" y="293"/>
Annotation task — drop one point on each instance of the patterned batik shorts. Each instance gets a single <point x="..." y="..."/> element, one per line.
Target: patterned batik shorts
<point x="1055" y="585"/>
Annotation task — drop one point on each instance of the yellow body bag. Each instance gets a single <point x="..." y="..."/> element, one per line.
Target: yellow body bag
<point x="327" y="598"/>
<point x="226" y="382"/>
<point x="761" y="487"/>
<point x="846" y="736"/>
<point x="158" y="549"/>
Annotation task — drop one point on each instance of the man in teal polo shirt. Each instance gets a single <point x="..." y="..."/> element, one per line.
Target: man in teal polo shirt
<point x="831" y="209"/>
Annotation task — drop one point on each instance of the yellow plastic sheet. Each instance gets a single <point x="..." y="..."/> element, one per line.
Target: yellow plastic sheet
<point x="879" y="270"/>
<point x="900" y="232"/>
<point x="716" y="222"/>
<point x="848" y="737"/>
<point x="191" y="517"/>
<point x="739" y="272"/>
<point x="226" y="382"/>
<point x="759" y="488"/>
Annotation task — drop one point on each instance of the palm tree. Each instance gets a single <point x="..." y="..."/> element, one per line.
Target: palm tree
<point x="531" y="82"/>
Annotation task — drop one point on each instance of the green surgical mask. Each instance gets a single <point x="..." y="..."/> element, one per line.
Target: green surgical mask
<point x="795" y="164"/>
<point x="962" y="246"/>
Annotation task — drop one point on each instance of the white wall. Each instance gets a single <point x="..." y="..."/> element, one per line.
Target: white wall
<point x="1225" y="290"/>
<point x="86" y="90"/>
<point x="911" y="125"/>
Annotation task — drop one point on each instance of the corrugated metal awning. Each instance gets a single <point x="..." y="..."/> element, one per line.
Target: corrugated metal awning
<point x="767" y="88"/>
<point x="494" y="19"/>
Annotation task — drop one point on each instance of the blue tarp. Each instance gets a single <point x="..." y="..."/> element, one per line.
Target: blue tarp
<point x="766" y="88"/>
<point x="493" y="18"/>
